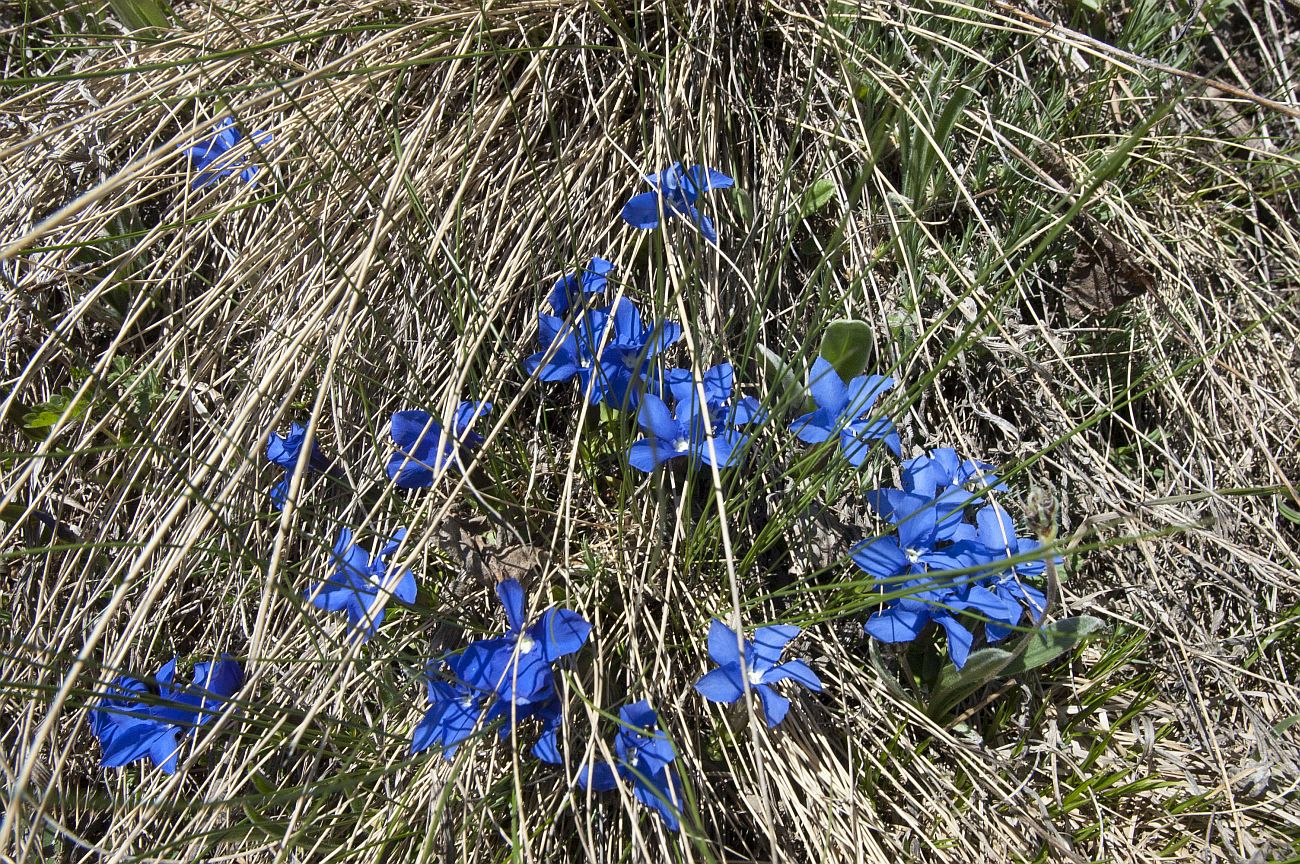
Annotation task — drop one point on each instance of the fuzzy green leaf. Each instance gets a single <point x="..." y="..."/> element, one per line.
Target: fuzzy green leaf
<point x="1050" y="642"/>
<point x="816" y="196"/>
<point x="847" y="346"/>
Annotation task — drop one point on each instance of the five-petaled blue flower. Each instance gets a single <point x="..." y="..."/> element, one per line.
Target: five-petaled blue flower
<point x="424" y="449"/>
<point x="757" y="664"/>
<point x="361" y="583"/>
<point x="681" y="434"/>
<point x="210" y="158"/>
<point x="134" y="720"/>
<point x="570" y="288"/>
<point x="517" y="666"/>
<point x="510" y="676"/>
<point x="676" y="190"/>
<point x="284" y="451"/>
<point x="456" y="709"/>
<point x="612" y="373"/>
<point x="995" y="537"/>
<point x="841" y="411"/>
<point x="644" y="757"/>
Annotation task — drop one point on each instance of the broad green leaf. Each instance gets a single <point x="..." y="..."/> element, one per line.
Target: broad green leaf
<point x="847" y="346"/>
<point x="140" y="14"/>
<point x="815" y="197"/>
<point x="955" y="684"/>
<point x="1050" y="642"/>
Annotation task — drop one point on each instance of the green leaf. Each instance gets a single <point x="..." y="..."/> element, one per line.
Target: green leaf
<point x="744" y="205"/>
<point x="1047" y="644"/>
<point x="140" y="14"/>
<point x="1289" y="512"/>
<point x="847" y="346"/>
<point x="815" y="197"/>
<point x="784" y="380"/>
<point x="49" y="412"/>
<point x="955" y="684"/>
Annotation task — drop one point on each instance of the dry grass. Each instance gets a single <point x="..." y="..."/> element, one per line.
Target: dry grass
<point x="433" y="168"/>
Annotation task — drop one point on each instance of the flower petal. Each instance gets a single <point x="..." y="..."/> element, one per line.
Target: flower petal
<point x="512" y="598"/>
<point x="897" y="623"/>
<point x="722" y="684"/>
<point x="560" y="632"/>
<point x="826" y="387"/>
<point x="655" y="418"/>
<point x="642" y="211"/>
<point x="775" y="706"/>
<point x="797" y="671"/>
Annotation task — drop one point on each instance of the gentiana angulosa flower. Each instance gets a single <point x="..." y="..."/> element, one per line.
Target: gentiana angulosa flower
<point x="134" y="719"/>
<point x="643" y="758"/>
<point x="362" y="584"/>
<point x="510" y="677"/>
<point x="213" y="159"/>
<point x="754" y="663"/>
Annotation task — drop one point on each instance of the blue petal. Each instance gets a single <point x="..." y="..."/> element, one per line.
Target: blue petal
<point x="560" y="632"/>
<point x="655" y="418"/>
<point x="775" y="706"/>
<point x="642" y="211"/>
<point x="997" y="530"/>
<point x="794" y="670"/>
<point x="512" y="598"/>
<point x="724" y="647"/>
<point x="881" y="558"/>
<point x="959" y="638"/>
<point x="708" y="179"/>
<point x="826" y="386"/>
<point x="719" y="451"/>
<point x="446" y="725"/>
<point x="722" y="684"/>
<point x="655" y="792"/>
<point x="816" y="427"/>
<point x="863" y="392"/>
<point x="647" y="454"/>
<point x="769" y="642"/>
<point x="897" y="623"/>
<point x="164" y="752"/>
<point x="599" y="777"/>
<point x="466" y="414"/>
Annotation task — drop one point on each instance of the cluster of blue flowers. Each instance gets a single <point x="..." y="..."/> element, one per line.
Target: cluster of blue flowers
<point x="954" y="558"/>
<point x="943" y="567"/>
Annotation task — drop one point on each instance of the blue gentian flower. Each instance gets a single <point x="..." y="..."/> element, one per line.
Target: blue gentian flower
<point x="841" y="410"/>
<point x="424" y="450"/>
<point x="676" y="190"/>
<point x="359" y="581"/>
<point x="617" y="377"/>
<point x="284" y="450"/>
<point x="210" y="157"/>
<point x="910" y="560"/>
<point x="717" y="382"/>
<point x="996" y="538"/>
<point x="570" y="288"/>
<point x="456" y="710"/>
<point x="568" y="349"/>
<point x="517" y="666"/>
<point x="672" y="436"/>
<point x="644" y="757"/>
<point x="759" y="665"/>
<point x="133" y="720"/>
<point x="509" y="676"/>
<point x="950" y="481"/>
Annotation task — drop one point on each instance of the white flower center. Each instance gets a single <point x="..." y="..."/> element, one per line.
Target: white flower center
<point x="681" y="445"/>
<point x="755" y="677"/>
<point x="913" y="555"/>
<point x="526" y="644"/>
<point x="468" y="701"/>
